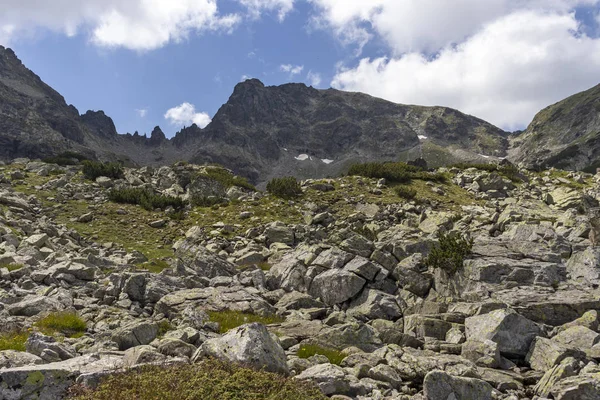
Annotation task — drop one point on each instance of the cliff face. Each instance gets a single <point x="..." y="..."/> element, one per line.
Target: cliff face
<point x="563" y="135"/>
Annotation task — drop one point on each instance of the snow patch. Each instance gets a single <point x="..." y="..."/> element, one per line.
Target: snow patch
<point x="484" y="156"/>
<point x="302" y="157"/>
<point x="284" y="149"/>
<point x="422" y="137"/>
<point x="327" y="161"/>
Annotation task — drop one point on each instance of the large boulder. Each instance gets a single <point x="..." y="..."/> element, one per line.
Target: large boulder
<point x="336" y="286"/>
<point x="331" y="379"/>
<point x="581" y="387"/>
<point x="585" y="265"/>
<point x="249" y="345"/>
<point x="513" y="332"/>
<point x="374" y="304"/>
<point x="194" y="259"/>
<point x="34" y="305"/>
<point x="578" y="336"/>
<point x="546" y="353"/>
<point x="135" y="334"/>
<point x="439" y="385"/>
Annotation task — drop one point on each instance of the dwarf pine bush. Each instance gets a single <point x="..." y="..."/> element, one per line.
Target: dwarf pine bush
<point x="285" y="188"/>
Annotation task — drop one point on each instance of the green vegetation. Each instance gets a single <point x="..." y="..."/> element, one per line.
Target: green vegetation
<point x="154" y="266"/>
<point x="210" y="379"/>
<point x="228" y="320"/>
<point x="309" y="350"/>
<point x="394" y="172"/>
<point x="66" y="158"/>
<point x="147" y="199"/>
<point x="66" y="323"/>
<point x="508" y="171"/>
<point x="406" y="192"/>
<point x="13" y="267"/>
<point x="164" y="326"/>
<point x="227" y="179"/>
<point x="284" y="188"/>
<point x="450" y="252"/>
<point x="94" y="169"/>
<point x="206" y="201"/>
<point x="13" y="341"/>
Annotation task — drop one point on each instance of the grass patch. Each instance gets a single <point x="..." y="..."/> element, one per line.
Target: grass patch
<point x="227" y="179"/>
<point x="66" y="323"/>
<point x="13" y="341"/>
<point x="94" y="169"/>
<point x="154" y="266"/>
<point x="206" y="201"/>
<point x="232" y="319"/>
<point x="210" y="379"/>
<point x="394" y="172"/>
<point x="145" y="198"/>
<point x="450" y="252"/>
<point x="405" y="192"/>
<point x="284" y="188"/>
<point x="13" y="267"/>
<point x="164" y="326"/>
<point x="309" y="350"/>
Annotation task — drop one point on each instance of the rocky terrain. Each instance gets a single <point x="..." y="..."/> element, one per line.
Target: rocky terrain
<point x="333" y="288"/>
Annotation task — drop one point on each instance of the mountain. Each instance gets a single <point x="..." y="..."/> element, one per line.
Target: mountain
<point x="564" y="135"/>
<point x="261" y="132"/>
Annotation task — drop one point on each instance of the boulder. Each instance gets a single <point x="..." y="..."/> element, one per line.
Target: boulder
<point x="374" y="304"/>
<point x="545" y="354"/>
<point x="513" y="332"/>
<point x="336" y="286"/>
<point x="577" y="336"/>
<point x="12" y="359"/>
<point x="581" y="387"/>
<point x="34" y="305"/>
<point x="135" y="334"/>
<point x="249" y="345"/>
<point x="439" y="385"/>
<point x="330" y="378"/>
<point x="198" y="260"/>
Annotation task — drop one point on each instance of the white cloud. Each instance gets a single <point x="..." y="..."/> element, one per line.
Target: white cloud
<point x="245" y="78"/>
<point x="186" y="114"/>
<point x="141" y="112"/>
<point x="314" y="79"/>
<point x="421" y="25"/>
<point x="133" y="24"/>
<point x="504" y="73"/>
<point x="257" y="7"/>
<point x="292" y="69"/>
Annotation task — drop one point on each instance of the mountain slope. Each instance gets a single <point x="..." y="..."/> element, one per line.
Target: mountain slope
<point x="564" y="135"/>
<point x="260" y="132"/>
<point x="299" y="130"/>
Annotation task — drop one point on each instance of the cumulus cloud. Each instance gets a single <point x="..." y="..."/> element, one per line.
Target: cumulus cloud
<point x="505" y="72"/>
<point x="291" y="69"/>
<point x="134" y="24"/>
<point x="422" y="25"/>
<point x="314" y="79"/>
<point x="141" y="112"/>
<point x="257" y="7"/>
<point x="185" y="114"/>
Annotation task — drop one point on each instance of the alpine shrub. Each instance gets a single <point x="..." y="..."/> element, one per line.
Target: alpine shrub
<point x="145" y="198"/>
<point x="285" y="188"/>
<point x="94" y="169"/>
<point x="450" y="252"/>
<point x="406" y="192"/>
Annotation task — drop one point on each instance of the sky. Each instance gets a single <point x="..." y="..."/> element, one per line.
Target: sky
<point x="175" y="62"/>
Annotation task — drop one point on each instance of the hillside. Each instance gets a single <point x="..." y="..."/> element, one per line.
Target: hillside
<point x="564" y="135"/>
<point x="355" y="287"/>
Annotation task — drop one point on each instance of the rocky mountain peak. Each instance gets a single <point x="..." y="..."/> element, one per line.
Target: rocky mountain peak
<point x="100" y="123"/>
<point x="157" y="137"/>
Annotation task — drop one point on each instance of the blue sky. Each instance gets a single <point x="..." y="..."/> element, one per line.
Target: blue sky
<point x="502" y="62"/>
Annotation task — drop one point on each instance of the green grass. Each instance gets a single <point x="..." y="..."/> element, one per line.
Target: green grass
<point x="163" y="327"/>
<point x="309" y="350"/>
<point x="13" y="341"/>
<point x="154" y="266"/>
<point x="226" y="178"/>
<point x="208" y="380"/>
<point x="13" y="267"/>
<point x="228" y="320"/>
<point x="406" y="192"/>
<point x="66" y="323"/>
<point x="394" y="172"/>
